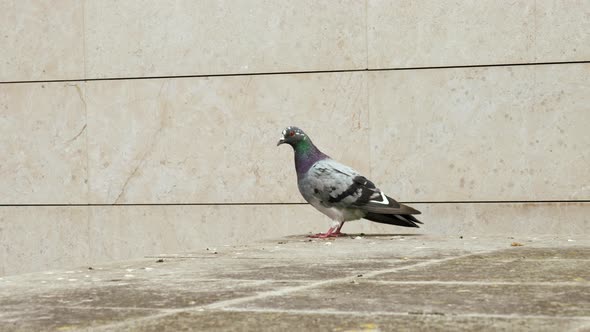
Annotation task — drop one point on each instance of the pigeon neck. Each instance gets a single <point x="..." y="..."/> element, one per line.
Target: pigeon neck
<point x="306" y="154"/>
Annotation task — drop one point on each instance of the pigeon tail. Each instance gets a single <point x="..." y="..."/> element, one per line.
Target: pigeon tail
<point x="404" y="220"/>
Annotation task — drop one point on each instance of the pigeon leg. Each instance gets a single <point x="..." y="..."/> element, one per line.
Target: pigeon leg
<point x="329" y="233"/>
<point x="337" y="232"/>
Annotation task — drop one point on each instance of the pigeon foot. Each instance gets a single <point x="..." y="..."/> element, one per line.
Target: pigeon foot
<point x="332" y="232"/>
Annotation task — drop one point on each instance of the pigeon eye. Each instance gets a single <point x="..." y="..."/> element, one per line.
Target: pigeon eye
<point x="291" y="133"/>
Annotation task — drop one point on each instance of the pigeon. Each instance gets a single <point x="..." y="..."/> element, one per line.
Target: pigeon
<point x="339" y="191"/>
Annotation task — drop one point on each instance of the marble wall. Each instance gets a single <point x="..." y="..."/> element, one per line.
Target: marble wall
<point x="135" y="128"/>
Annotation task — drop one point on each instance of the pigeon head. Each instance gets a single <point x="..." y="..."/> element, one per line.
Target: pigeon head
<point x="306" y="154"/>
<point x="292" y="136"/>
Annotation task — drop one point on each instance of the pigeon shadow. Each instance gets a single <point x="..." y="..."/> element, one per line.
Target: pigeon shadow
<point x="364" y="235"/>
<point x="381" y="235"/>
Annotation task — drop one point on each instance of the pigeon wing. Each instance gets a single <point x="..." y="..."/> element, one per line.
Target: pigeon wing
<point x="338" y="185"/>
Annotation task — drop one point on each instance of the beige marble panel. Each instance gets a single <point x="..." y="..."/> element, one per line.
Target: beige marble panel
<point x="405" y="33"/>
<point x="501" y="133"/>
<point x="41" y="238"/>
<point x="124" y="232"/>
<point x="43" y="143"/>
<point x="132" y="38"/>
<point x="214" y="139"/>
<point x="497" y="219"/>
<point x="562" y="30"/>
<point x="41" y="40"/>
<point x="37" y="238"/>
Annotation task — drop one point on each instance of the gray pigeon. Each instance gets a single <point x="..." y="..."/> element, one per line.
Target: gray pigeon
<point x="339" y="191"/>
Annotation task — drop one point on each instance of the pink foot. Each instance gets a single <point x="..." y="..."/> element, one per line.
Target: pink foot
<point x="326" y="235"/>
<point x="332" y="232"/>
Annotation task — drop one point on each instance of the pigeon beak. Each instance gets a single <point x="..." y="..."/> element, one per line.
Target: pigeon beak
<point x="281" y="141"/>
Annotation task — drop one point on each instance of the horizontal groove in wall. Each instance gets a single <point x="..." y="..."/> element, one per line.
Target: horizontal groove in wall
<point x="258" y="204"/>
<point x="294" y="72"/>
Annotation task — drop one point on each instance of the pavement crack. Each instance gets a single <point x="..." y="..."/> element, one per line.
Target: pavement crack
<point x="394" y="313"/>
<point x="226" y="305"/>
<point x="80" y="94"/>
<point x="292" y="289"/>
<point x="149" y="149"/>
<point x="124" y="187"/>
<point x="77" y="135"/>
